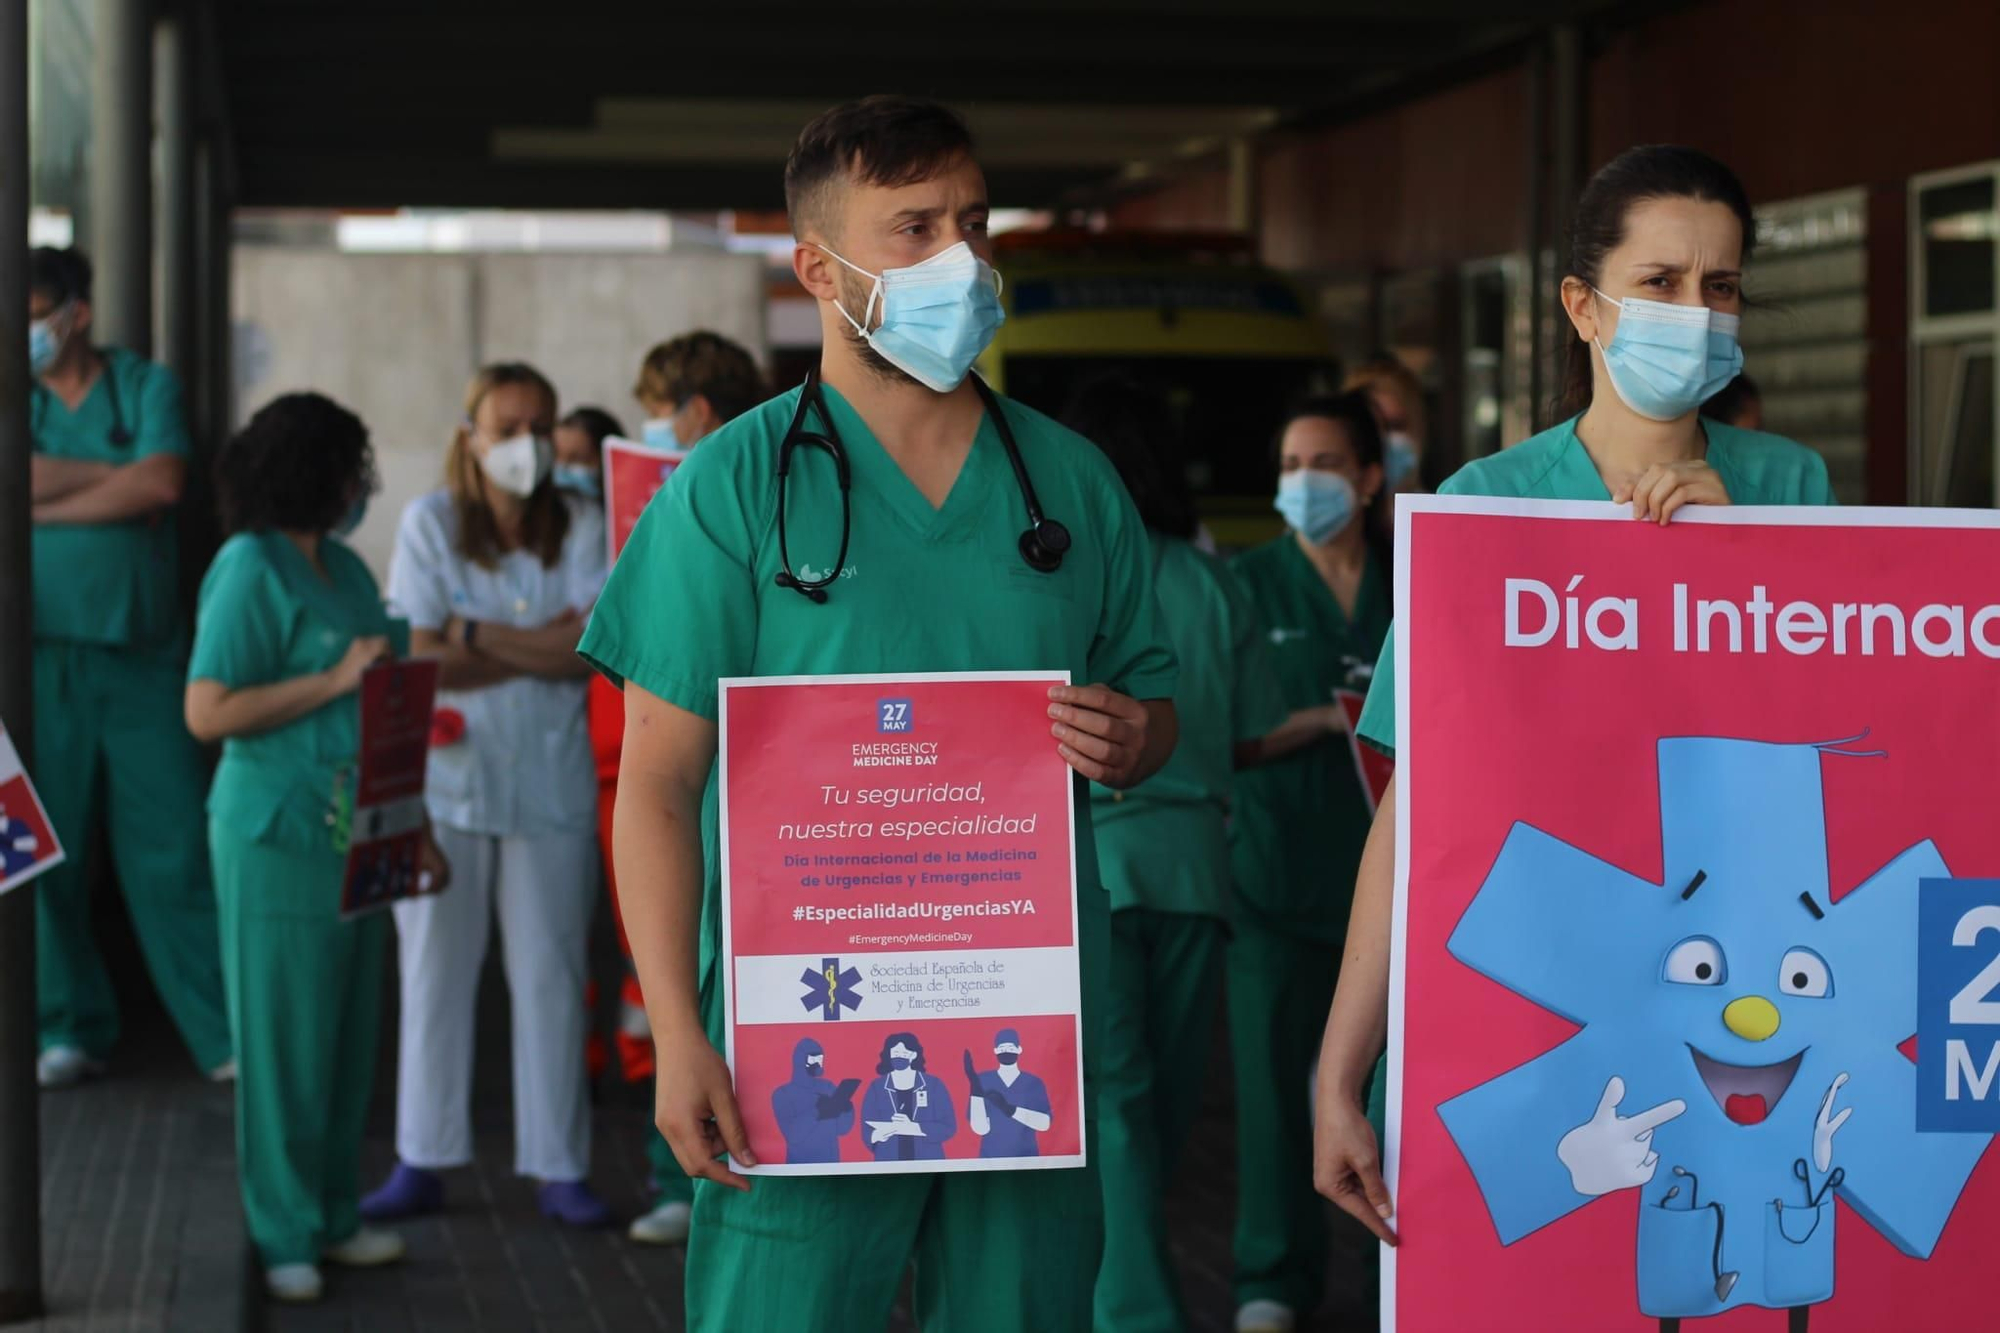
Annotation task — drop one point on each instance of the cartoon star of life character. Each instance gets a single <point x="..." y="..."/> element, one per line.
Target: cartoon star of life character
<point x="1737" y="1064"/>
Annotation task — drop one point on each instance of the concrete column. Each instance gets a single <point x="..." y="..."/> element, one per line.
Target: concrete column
<point x="121" y="174"/>
<point x="177" y="319"/>
<point x="20" y="1147"/>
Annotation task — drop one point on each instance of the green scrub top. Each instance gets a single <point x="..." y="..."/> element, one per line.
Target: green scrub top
<point x="1301" y="820"/>
<point x="1163" y="845"/>
<point x="267" y="615"/>
<point x="692" y="598"/>
<point x="1757" y="469"/>
<point x="110" y="583"/>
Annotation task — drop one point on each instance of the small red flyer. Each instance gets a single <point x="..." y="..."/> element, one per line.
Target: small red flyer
<point x="899" y="924"/>
<point x="385" y="851"/>
<point x="1372" y="766"/>
<point x="28" y="845"/>
<point x="633" y="474"/>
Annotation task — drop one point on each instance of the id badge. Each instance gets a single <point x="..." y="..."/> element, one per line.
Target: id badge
<point x="923" y="1099"/>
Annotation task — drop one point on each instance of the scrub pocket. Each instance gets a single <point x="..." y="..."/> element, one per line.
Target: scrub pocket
<point x="1798" y="1253"/>
<point x="1677" y="1262"/>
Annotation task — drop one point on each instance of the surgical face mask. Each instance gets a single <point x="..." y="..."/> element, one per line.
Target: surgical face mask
<point x="581" y="478"/>
<point x="1666" y="360"/>
<point x="937" y="316"/>
<point x="816" y="1063"/>
<point x="899" y="1063"/>
<point x="1399" y="457"/>
<point x="519" y="465"/>
<point x="1316" y="505"/>
<point x="659" y="433"/>
<point x="44" y="343"/>
<point x="352" y="518"/>
<point x="1008" y="1057"/>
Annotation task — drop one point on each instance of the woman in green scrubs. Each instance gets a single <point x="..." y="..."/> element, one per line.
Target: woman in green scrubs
<point x="289" y="618"/>
<point x="1163" y="854"/>
<point x="1660" y="226"/>
<point x="1321" y="591"/>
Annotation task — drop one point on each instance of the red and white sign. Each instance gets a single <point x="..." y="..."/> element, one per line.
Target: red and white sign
<point x="633" y="474"/>
<point x="899" y="924"/>
<point x="386" y="844"/>
<point x="28" y="844"/>
<point x="1372" y="766"/>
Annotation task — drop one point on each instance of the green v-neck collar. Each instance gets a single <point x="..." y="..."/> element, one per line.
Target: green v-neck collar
<point x="878" y="477"/>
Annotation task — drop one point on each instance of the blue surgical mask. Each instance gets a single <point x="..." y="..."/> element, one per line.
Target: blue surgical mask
<point x="898" y="1063"/>
<point x="352" y="518"/>
<point x="43" y="343"/>
<point x="659" y="433"/>
<point x="1399" y="458"/>
<point x="936" y="317"/>
<point x="1007" y="1057"/>
<point x="579" y="478"/>
<point x="1666" y="360"/>
<point x="1317" y="505"/>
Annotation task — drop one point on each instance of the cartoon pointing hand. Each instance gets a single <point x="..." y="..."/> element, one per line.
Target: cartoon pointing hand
<point x="1612" y="1152"/>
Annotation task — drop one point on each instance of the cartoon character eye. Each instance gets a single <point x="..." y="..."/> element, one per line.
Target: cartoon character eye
<point x="1804" y="972"/>
<point x="1695" y="961"/>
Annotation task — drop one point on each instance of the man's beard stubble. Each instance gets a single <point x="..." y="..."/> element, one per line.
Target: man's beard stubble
<point x="854" y="291"/>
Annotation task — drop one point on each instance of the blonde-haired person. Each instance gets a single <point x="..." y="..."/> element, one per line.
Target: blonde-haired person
<point x="495" y="571"/>
<point x="1398" y="399"/>
<point x="690" y="385"/>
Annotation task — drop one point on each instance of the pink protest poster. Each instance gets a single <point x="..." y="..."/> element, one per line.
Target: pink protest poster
<point x="899" y="924"/>
<point x="633" y="473"/>
<point x="28" y="845"/>
<point x="1696" y="919"/>
<point x="386" y="834"/>
<point x="1370" y="765"/>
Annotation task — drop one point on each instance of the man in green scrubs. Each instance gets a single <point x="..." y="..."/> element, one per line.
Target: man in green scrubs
<point x="1300" y="823"/>
<point x="110" y="460"/>
<point x="933" y="579"/>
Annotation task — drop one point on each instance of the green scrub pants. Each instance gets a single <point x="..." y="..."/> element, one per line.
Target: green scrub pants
<point x="112" y="752"/>
<point x="668" y="1178"/>
<point x="995" y="1251"/>
<point x="1166" y="975"/>
<point x="1280" y="988"/>
<point x="305" y="997"/>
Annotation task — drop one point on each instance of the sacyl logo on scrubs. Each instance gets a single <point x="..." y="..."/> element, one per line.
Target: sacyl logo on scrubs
<point x="1281" y="637"/>
<point x="893" y="715"/>
<point x="808" y="574"/>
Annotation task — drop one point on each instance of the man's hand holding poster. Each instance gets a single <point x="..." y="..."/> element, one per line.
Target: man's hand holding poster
<point x="1689" y="1012"/>
<point x="899" y="924"/>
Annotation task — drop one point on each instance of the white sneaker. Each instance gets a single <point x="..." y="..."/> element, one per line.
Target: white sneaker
<point x="65" y="1067"/>
<point x="665" y="1225"/>
<point x="1265" y="1317"/>
<point x="294" y="1284"/>
<point x="367" y="1248"/>
<point x="223" y="1073"/>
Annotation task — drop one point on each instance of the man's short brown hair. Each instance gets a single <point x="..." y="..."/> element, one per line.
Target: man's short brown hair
<point x="880" y="140"/>
<point x="701" y="363"/>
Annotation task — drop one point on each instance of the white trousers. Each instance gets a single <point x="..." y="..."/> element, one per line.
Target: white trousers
<point x="545" y="889"/>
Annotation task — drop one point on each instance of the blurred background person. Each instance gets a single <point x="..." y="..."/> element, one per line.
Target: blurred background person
<point x="688" y="386"/>
<point x="495" y="572"/>
<point x="1163" y="852"/>
<point x="1321" y="589"/>
<point x="579" y="443"/>
<point x="110" y="652"/>
<point x="1740" y="404"/>
<point x="1398" y="399"/>
<point x="289" y="620"/>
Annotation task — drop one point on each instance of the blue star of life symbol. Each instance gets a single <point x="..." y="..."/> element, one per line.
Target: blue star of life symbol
<point x="830" y="989"/>
<point x="1737" y="1063"/>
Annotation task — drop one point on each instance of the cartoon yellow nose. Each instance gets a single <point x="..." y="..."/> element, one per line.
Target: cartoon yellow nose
<point x="1752" y="1018"/>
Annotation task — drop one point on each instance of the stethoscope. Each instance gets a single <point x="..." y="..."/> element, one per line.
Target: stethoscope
<point x="121" y="437"/>
<point x="1043" y="545"/>
<point x="1725" y="1282"/>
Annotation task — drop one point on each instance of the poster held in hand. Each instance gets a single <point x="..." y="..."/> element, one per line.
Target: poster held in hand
<point x="387" y="825"/>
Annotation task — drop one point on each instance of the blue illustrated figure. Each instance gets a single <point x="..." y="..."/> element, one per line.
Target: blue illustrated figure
<point x="18" y="846"/>
<point x="907" y="1113"/>
<point x="1009" y="1107"/>
<point x="810" y="1111"/>
<point x="1737" y="1064"/>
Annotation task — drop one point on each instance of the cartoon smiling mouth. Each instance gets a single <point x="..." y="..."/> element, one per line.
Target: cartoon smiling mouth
<point x="1746" y="1093"/>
